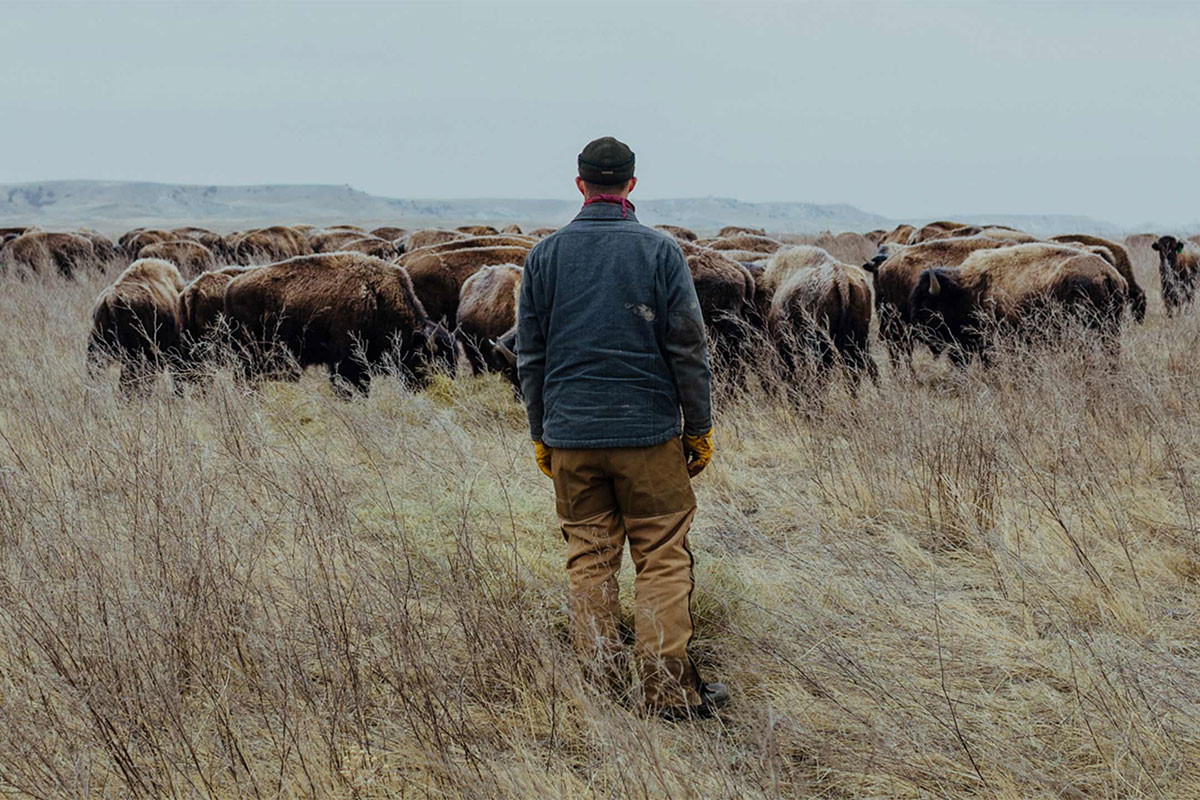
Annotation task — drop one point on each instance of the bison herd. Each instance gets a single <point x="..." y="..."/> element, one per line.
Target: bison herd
<point x="281" y="298"/>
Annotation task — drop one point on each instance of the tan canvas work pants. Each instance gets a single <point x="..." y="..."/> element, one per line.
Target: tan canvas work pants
<point x="643" y="494"/>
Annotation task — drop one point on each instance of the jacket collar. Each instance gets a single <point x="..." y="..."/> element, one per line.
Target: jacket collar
<point x="605" y="211"/>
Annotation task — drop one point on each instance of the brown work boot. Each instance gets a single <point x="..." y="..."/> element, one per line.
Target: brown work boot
<point x="713" y="696"/>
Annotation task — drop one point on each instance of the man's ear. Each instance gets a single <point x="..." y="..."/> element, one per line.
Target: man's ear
<point x="579" y="185"/>
<point x="632" y="183"/>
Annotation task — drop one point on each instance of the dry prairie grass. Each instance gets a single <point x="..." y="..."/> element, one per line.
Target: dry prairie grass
<point x="979" y="585"/>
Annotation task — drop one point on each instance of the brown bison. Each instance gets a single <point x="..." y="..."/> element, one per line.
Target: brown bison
<point x="348" y="311"/>
<point x="1009" y="289"/>
<point x="201" y="305"/>
<point x="680" y="233"/>
<point x="755" y="244"/>
<point x="438" y="277"/>
<point x="133" y="241"/>
<point x="896" y="277"/>
<point x="189" y="256"/>
<point x="392" y="234"/>
<point x="43" y="253"/>
<point x="213" y="241"/>
<point x="430" y="236"/>
<point x="898" y="235"/>
<point x="1120" y="259"/>
<point x="820" y="316"/>
<point x="726" y="293"/>
<point x="373" y="246"/>
<point x="541" y="233"/>
<point x="934" y="230"/>
<point x="487" y="310"/>
<point x="739" y="230"/>
<point x="781" y="266"/>
<point x="134" y="322"/>
<point x="267" y="245"/>
<point x="1178" y="267"/>
<point x="104" y="248"/>
<point x="331" y="240"/>
<point x="848" y="248"/>
<point x="468" y="243"/>
<point x="477" y="230"/>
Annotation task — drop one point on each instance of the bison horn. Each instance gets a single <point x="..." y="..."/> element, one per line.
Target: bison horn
<point x="509" y="355"/>
<point x="935" y="286"/>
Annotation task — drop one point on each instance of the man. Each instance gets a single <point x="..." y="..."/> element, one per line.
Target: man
<point x="610" y="348"/>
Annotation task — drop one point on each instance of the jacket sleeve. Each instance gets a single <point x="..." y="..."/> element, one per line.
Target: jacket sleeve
<point x="531" y="345"/>
<point x="686" y="345"/>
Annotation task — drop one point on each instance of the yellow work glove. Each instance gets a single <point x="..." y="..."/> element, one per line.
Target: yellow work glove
<point x="698" y="451"/>
<point x="542" y="454"/>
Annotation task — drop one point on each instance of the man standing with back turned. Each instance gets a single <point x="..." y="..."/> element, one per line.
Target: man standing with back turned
<point x="610" y="347"/>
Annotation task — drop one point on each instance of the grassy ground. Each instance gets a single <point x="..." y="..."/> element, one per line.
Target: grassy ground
<point x="950" y="586"/>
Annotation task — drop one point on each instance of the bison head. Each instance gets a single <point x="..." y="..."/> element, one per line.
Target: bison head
<point x="942" y="310"/>
<point x="1168" y="248"/>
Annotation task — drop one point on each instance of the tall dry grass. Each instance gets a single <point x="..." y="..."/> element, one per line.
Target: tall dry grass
<point x="975" y="585"/>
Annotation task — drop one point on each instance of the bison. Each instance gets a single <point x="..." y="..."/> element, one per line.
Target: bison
<point x="133" y="241"/>
<point x="201" y="306"/>
<point x="350" y="312"/>
<point x="487" y="310"/>
<point x="392" y="234"/>
<point x="679" y="233"/>
<point x="438" y="277"/>
<point x="512" y="227"/>
<point x="896" y="277"/>
<point x="1178" y="267"/>
<point x="213" y="241"/>
<point x="1119" y="259"/>
<point x="41" y="252"/>
<point x="332" y="240"/>
<point x="739" y="230"/>
<point x="934" y="230"/>
<point x="373" y="246"/>
<point x="1008" y="289"/>
<point x="104" y="248"/>
<point x="744" y="242"/>
<point x="134" y="322"/>
<point x="468" y="243"/>
<point x="191" y="257"/>
<point x="726" y="293"/>
<point x="820" y="315"/>
<point x="267" y="245"/>
<point x="477" y="230"/>
<point x="429" y="236"/>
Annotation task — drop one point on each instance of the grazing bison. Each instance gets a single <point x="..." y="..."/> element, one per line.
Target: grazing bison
<point x="511" y="228"/>
<point x="104" y="248"/>
<point x="43" y="253"/>
<point x="898" y="235"/>
<point x="267" y="245"/>
<point x="934" y="230"/>
<point x="1008" y="289"/>
<point x="213" y="241"/>
<point x="392" y="234"/>
<point x="189" y="256"/>
<point x="134" y="322"/>
<point x="541" y="233"/>
<point x="347" y="311"/>
<point x="430" y="236"/>
<point x="373" y="246"/>
<point x="438" y="277"/>
<point x="468" y="243"/>
<point x="747" y="242"/>
<point x="1119" y="259"/>
<point x="487" y="309"/>
<point x="1178" y="267"/>
<point x="133" y="241"/>
<point x="848" y="248"/>
<point x="782" y="265"/>
<point x="820" y="316"/>
<point x="725" y="290"/>
<point x="896" y="277"/>
<point x="680" y="233"/>
<point x="739" y="230"/>
<point x="201" y="305"/>
<point x="331" y="240"/>
<point x="477" y="230"/>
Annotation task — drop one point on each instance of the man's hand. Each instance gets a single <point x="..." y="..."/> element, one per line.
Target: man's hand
<point x="542" y="454"/>
<point x="698" y="450"/>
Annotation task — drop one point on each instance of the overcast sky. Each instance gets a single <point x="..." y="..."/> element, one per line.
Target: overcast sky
<point x="904" y="109"/>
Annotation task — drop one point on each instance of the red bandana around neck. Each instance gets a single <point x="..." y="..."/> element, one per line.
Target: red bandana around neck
<point x="614" y="199"/>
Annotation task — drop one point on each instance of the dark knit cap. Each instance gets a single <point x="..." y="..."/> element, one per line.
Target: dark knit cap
<point x="606" y="162"/>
